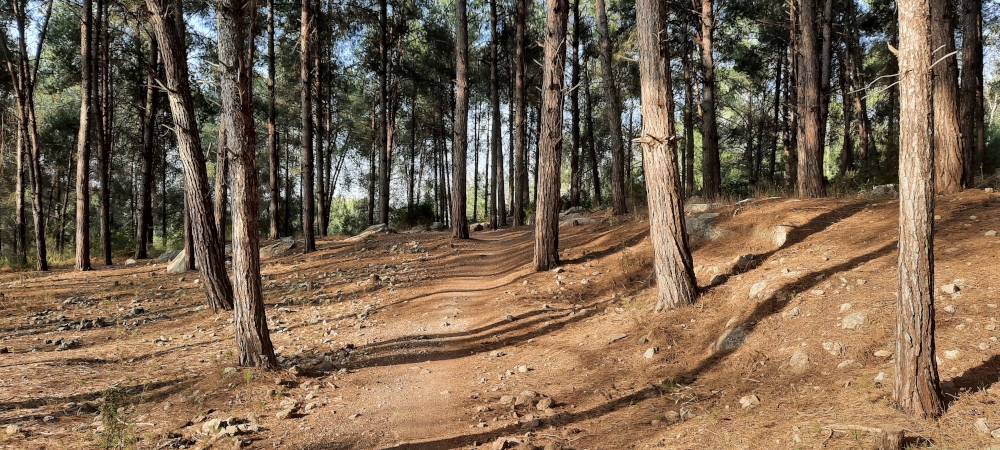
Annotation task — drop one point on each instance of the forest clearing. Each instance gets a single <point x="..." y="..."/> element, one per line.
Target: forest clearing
<point x="419" y="341"/>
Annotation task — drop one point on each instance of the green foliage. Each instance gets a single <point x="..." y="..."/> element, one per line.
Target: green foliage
<point x="118" y="433"/>
<point x="420" y="214"/>
<point x="348" y="216"/>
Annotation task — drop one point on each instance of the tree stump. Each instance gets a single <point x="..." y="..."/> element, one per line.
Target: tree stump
<point x="891" y="438"/>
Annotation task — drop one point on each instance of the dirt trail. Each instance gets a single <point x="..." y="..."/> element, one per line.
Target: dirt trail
<point x="415" y="341"/>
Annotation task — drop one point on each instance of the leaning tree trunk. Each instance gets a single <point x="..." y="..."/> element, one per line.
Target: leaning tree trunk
<point x="460" y="144"/>
<point x="948" y="152"/>
<point x="550" y="146"/>
<point x="917" y="390"/>
<point x="613" y="113"/>
<point x="236" y="49"/>
<point x="83" y="144"/>
<point x="167" y="22"/>
<point x="810" y="145"/>
<point x="675" y="281"/>
<point x="308" y="203"/>
<point x="711" y="165"/>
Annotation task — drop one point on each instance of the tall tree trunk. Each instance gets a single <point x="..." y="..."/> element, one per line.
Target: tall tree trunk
<point x="459" y="145"/>
<point x="710" y="163"/>
<point x="413" y="150"/>
<point x="575" y="179"/>
<point x="272" y="135"/>
<point x="675" y="281"/>
<point x="144" y="231"/>
<point x="595" y="168"/>
<point x="792" y="102"/>
<point x="856" y="65"/>
<point x="550" y="145"/>
<point x="100" y="77"/>
<point x="810" y="142"/>
<point x="948" y="153"/>
<point x="236" y="49"/>
<point x="83" y="143"/>
<point x="222" y="183"/>
<point x="167" y="22"/>
<point x="825" y="73"/>
<point x="971" y="94"/>
<point x="520" y="194"/>
<point x="308" y="202"/>
<point x="917" y="390"/>
<point x="847" y="150"/>
<point x="775" y="119"/>
<point x="384" y="150"/>
<point x="689" y="111"/>
<point x="496" y="179"/>
<point x="612" y="112"/>
<point x="20" y="232"/>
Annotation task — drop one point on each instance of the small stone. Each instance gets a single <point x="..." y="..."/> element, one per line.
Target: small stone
<point x="949" y="288"/>
<point x="522" y="369"/>
<point x="506" y="400"/>
<point x="354" y="416"/>
<point x="984" y="346"/>
<point x="845" y="363"/>
<point x="544" y="403"/>
<point x="995" y="434"/>
<point x="845" y="307"/>
<point x="212" y="427"/>
<point x="982" y="425"/>
<point x="749" y="401"/>
<point x="990" y="233"/>
<point x="950" y="309"/>
<point x="881" y="376"/>
<point x="862" y="281"/>
<point x="882" y="353"/>
<point x="672" y="416"/>
<point x="854" y="321"/>
<point x="496" y="354"/>
<point x="988" y="190"/>
<point x="47" y="419"/>
<point x="817" y="292"/>
<point x="558" y="270"/>
<point x="651" y="352"/>
<point x="990" y="327"/>
<point x="952" y="354"/>
<point x="835" y="348"/>
<point x="799" y="360"/>
<point x="757" y="289"/>
<point x="525" y="398"/>
<point x="285" y="413"/>
<point x="13" y="429"/>
<point x="791" y="313"/>
<point x="230" y="370"/>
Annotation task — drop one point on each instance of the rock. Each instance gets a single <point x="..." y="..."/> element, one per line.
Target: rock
<point x="698" y="208"/>
<point x="845" y="364"/>
<point x="504" y="443"/>
<point x="988" y="327"/>
<point x="13" y="429"/>
<point x="525" y="398"/>
<point x="731" y="340"/>
<point x="995" y="434"/>
<point x="854" y="321"/>
<point x="672" y="416"/>
<point x="799" y="361"/>
<point x="718" y="279"/>
<point x="988" y="190"/>
<point x="438" y="226"/>
<point x="990" y="233"/>
<point x="757" y="290"/>
<point x="742" y="262"/>
<point x="167" y="256"/>
<point x="477" y="227"/>
<point x="791" y="313"/>
<point x="882" y="353"/>
<point x="178" y="264"/>
<point x="845" y="307"/>
<point x="952" y="354"/>
<point x="700" y="225"/>
<point x="749" y="401"/>
<point x="558" y="270"/>
<point x="950" y="288"/>
<point x="885" y="189"/>
<point x="130" y="262"/>
<point x="285" y="413"/>
<point x="544" y="403"/>
<point x="982" y="425"/>
<point x="230" y="370"/>
<point x="575" y="220"/>
<point x="506" y="400"/>
<point x="950" y="309"/>
<point x="835" y="348"/>
<point x="651" y="352"/>
<point x="881" y="376"/>
<point x="278" y="249"/>
<point x="817" y="292"/>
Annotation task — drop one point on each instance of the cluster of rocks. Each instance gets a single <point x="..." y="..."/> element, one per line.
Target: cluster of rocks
<point x="85" y="324"/>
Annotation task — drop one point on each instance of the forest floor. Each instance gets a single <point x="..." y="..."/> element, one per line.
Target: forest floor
<point x="458" y="344"/>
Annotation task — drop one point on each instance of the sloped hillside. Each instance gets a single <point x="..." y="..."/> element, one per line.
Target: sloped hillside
<point x="416" y="341"/>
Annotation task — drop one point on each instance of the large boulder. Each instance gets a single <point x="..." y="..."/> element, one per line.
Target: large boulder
<point x="178" y="264"/>
<point x="438" y="226"/>
<point x="374" y="229"/>
<point x="574" y="219"/>
<point x="278" y="249"/>
<point x="168" y="256"/>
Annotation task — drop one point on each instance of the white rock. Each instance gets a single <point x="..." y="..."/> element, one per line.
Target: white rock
<point x="883" y="353"/>
<point x="982" y="425"/>
<point x="952" y="354"/>
<point x="881" y="376"/>
<point x="845" y="307"/>
<point x="990" y="233"/>
<point x="749" y="401"/>
<point x="949" y="288"/>
<point x="651" y="352"/>
<point x="794" y="312"/>
<point x="950" y="309"/>
<point x="799" y="360"/>
<point x="817" y="292"/>
<point x="835" y="348"/>
<point x="845" y="363"/>
<point x="757" y="289"/>
<point x="853" y="321"/>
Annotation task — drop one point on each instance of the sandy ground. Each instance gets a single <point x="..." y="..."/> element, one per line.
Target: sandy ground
<point x="458" y="344"/>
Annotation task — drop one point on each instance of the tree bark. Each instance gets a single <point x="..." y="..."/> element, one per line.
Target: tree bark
<point x="810" y="142"/>
<point x="307" y="172"/>
<point x="688" y="120"/>
<point x="272" y="135"/>
<point x="550" y="146"/>
<point x="917" y="390"/>
<point x="167" y="22"/>
<point x="83" y="143"/>
<point x="520" y="194"/>
<point x="710" y="166"/>
<point x="948" y="152"/>
<point x="236" y="50"/>
<point x="971" y="94"/>
<point x="612" y="113"/>
<point x="847" y="150"/>
<point x="221" y="183"/>
<point x="459" y="145"/>
<point x="575" y="178"/>
<point x="384" y="150"/>
<point x="675" y="279"/>
<point x="144" y="230"/>
<point x="595" y="168"/>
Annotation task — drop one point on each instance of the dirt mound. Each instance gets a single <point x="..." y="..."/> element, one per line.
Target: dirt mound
<point x="417" y="341"/>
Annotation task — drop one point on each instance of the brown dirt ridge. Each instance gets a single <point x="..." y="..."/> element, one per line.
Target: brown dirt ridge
<point x="417" y="341"/>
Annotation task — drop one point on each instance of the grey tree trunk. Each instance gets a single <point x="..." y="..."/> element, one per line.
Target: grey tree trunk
<point x="272" y="135"/>
<point x="459" y="146"/>
<point x="612" y="113"/>
<point x="520" y="193"/>
<point x="83" y="144"/>
<point x="307" y="172"/>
